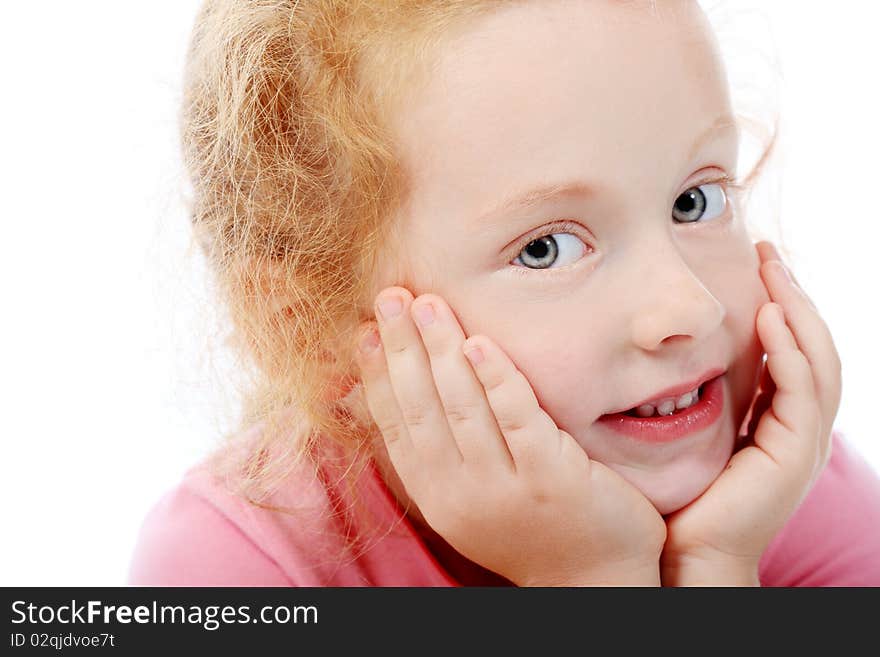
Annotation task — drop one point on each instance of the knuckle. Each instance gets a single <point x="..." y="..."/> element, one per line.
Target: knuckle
<point x="498" y="382"/>
<point x="532" y="451"/>
<point x="493" y="381"/>
<point x="429" y="297"/>
<point x="460" y="411"/>
<point x="510" y="422"/>
<point x="389" y="429"/>
<point x="416" y="413"/>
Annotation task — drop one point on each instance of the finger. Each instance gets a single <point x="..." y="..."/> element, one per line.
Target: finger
<point x="470" y="418"/>
<point x="531" y="435"/>
<point x="410" y="373"/>
<point x="812" y="334"/>
<point x="767" y="251"/>
<point x="794" y="406"/>
<point x="828" y="380"/>
<point x="770" y="260"/>
<point x="785" y="282"/>
<point x="380" y="399"/>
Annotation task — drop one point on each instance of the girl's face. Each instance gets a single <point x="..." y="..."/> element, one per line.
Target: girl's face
<point x="623" y="109"/>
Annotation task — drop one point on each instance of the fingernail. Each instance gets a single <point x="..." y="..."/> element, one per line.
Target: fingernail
<point x="475" y="355"/>
<point x="369" y="341"/>
<point x="390" y="307"/>
<point x="424" y="314"/>
<point x="775" y="252"/>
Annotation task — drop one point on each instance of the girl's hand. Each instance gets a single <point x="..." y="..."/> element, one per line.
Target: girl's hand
<point x="720" y="537"/>
<point x="489" y="469"/>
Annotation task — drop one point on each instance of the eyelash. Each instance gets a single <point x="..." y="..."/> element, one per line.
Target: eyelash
<point x="728" y="183"/>
<point x="560" y="227"/>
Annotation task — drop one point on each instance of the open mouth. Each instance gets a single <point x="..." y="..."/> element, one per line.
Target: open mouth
<point x="667" y="424"/>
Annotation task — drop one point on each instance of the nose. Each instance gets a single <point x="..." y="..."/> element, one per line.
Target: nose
<point x="670" y="303"/>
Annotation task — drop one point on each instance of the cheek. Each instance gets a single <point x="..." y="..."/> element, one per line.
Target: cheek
<point x="744" y="298"/>
<point x="564" y="370"/>
<point x="567" y="378"/>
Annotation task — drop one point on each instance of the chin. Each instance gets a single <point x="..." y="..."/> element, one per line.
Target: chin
<point x="675" y="484"/>
<point x="669" y="501"/>
<point x="669" y="494"/>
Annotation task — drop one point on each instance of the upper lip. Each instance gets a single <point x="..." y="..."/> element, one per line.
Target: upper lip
<point x="676" y="390"/>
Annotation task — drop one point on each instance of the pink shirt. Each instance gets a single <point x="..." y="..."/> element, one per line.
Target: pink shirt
<point x="200" y="534"/>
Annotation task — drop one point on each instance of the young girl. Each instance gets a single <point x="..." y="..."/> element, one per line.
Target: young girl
<point x="527" y="216"/>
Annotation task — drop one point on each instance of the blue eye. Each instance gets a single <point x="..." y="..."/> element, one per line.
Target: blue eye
<point x="698" y="202"/>
<point x="548" y="250"/>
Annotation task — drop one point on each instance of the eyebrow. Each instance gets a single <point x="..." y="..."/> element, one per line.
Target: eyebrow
<point x="576" y="188"/>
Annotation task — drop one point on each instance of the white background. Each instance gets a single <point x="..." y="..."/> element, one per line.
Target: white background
<point x="106" y="390"/>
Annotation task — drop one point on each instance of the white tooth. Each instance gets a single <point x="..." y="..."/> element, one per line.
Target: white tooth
<point x="666" y="408"/>
<point x="645" y="410"/>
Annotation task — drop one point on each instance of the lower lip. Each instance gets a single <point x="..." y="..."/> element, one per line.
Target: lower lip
<point x="667" y="428"/>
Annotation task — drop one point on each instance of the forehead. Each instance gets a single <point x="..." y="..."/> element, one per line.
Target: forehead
<point x="560" y="89"/>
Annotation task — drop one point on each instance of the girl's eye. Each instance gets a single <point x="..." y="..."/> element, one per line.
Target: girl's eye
<point x="703" y="202"/>
<point x="544" y="252"/>
<point x="698" y="202"/>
